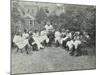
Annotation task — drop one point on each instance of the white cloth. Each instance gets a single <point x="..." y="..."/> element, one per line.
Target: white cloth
<point x="38" y="42"/>
<point x="70" y="44"/>
<point x="43" y="36"/>
<point x="48" y="27"/>
<point x="87" y="36"/>
<point x="62" y="39"/>
<point x="69" y="35"/>
<point x="20" y="41"/>
<point x="57" y="36"/>
<point x="76" y="43"/>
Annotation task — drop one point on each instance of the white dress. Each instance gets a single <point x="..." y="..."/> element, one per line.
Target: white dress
<point x="77" y="43"/>
<point x="43" y="36"/>
<point x="20" y="41"/>
<point x="57" y="36"/>
<point x="70" y="44"/>
<point x="37" y="39"/>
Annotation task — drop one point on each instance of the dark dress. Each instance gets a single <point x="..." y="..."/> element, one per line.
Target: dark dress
<point x="34" y="46"/>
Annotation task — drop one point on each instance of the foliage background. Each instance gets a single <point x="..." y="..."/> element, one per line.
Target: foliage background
<point x="33" y="15"/>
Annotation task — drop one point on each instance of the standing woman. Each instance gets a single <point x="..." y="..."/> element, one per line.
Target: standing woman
<point x="50" y="33"/>
<point x="57" y="38"/>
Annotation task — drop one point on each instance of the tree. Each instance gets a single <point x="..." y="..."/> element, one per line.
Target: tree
<point x="40" y="16"/>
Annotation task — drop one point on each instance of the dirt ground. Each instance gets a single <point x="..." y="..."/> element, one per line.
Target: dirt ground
<point x="50" y="59"/>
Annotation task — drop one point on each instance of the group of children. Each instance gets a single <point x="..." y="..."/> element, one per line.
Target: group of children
<point x="71" y="40"/>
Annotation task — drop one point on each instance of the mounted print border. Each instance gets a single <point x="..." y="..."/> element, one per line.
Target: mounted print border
<point x="52" y="37"/>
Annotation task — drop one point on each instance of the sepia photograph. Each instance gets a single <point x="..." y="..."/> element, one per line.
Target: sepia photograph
<point x="52" y="37"/>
